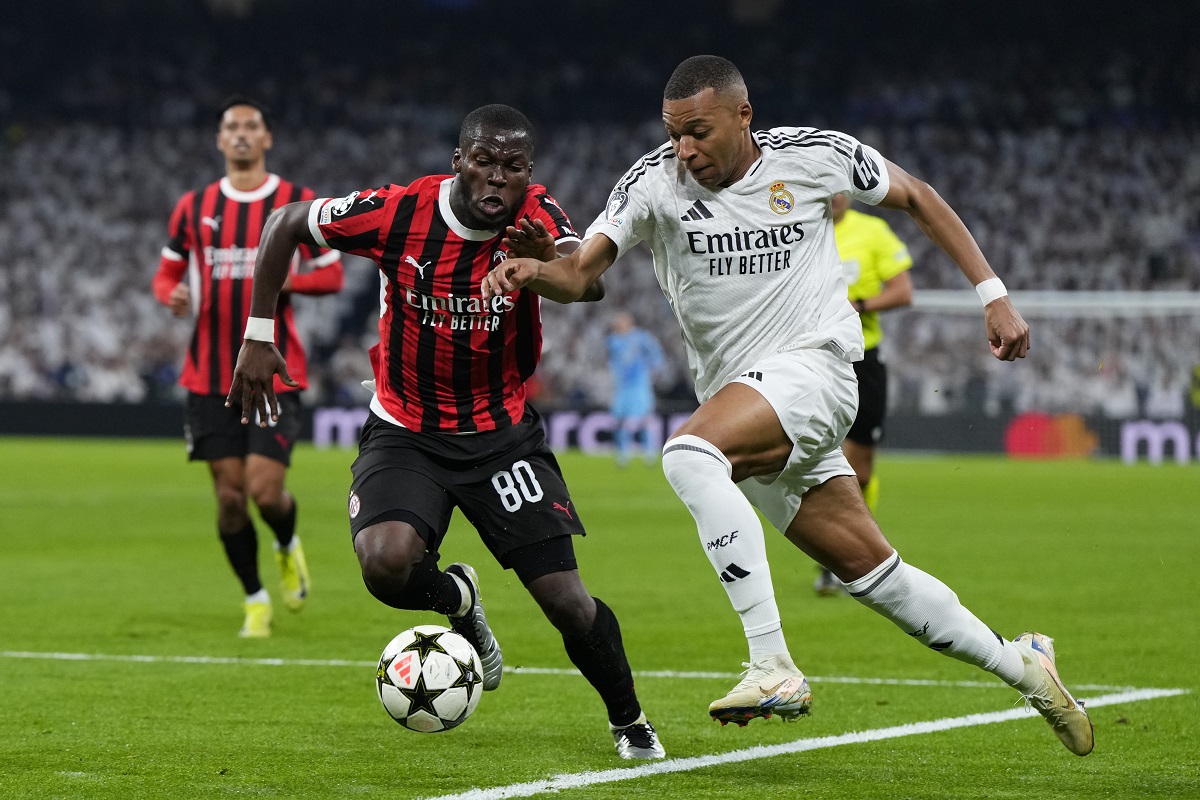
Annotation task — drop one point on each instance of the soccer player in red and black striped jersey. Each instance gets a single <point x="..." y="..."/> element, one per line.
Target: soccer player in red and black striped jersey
<point x="449" y="424"/>
<point x="206" y="270"/>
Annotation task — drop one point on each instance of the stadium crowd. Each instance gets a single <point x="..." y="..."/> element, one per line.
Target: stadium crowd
<point x="1076" y="170"/>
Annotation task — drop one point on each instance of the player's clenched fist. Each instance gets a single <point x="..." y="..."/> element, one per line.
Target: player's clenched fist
<point x="1008" y="334"/>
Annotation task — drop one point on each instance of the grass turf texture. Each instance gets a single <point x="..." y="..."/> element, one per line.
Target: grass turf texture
<point x="109" y="547"/>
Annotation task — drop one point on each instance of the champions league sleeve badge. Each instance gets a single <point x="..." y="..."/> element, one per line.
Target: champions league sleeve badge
<point x="341" y="206"/>
<point x="781" y="201"/>
<point x="617" y="201"/>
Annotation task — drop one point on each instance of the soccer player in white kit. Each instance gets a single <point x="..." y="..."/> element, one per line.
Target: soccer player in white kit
<point x="740" y="228"/>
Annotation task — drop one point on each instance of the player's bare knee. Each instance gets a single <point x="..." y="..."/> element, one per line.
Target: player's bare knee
<point x="231" y="500"/>
<point x="267" y="494"/>
<point x="388" y="552"/>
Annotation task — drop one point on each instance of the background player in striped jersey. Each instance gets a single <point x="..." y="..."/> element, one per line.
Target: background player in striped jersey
<point x="450" y="425"/>
<point x="756" y="284"/>
<point x="206" y="270"/>
<point x="875" y="264"/>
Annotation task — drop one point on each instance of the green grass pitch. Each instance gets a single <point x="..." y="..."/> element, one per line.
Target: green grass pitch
<point x="109" y="548"/>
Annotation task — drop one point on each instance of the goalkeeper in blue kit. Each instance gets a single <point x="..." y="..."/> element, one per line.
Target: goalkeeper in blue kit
<point x="634" y="355"/>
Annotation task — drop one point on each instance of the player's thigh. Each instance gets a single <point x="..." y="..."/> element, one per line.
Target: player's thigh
<point x="861" y="458"/>
<point x="265" y="478"/>
<point x="395" y="480"/>
<point x="212" y="431"/>
<point x="786" y="413"/>
<point x="520" y="500"/>
<point x="740" y="422"/>
<point x="229" y="478"/>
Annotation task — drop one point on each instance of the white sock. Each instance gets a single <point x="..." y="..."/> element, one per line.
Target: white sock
<point x="731" y="535"/>
<point x="926" y="609"/>
<point x="467" y="603"/>
<point x="260" y="596"/>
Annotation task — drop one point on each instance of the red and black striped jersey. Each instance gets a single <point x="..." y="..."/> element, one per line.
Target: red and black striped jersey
<point x="214" y="236"/>
<point x="446" y="361"/>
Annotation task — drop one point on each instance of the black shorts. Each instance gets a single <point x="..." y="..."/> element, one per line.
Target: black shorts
<point x="867" y="429"/>
<point x="506" y="482"/>
<point x="214" y="431"/>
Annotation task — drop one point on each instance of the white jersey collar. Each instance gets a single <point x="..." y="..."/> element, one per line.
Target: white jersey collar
<point x="470" y="234"/>
<point x="252" y="196"/>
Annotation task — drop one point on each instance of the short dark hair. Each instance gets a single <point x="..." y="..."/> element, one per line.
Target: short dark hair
<point x="494" y="117"/>
<point x="243" y="100"/>
<point x="698" y="73"/>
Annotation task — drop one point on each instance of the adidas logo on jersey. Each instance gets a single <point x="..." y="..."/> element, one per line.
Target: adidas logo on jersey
<point x="755" y="375"/>
<point x="697" y="211"/>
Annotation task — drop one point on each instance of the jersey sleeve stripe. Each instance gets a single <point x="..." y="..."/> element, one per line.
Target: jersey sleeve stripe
<point x="561" y="223"/>
<point x="171" y="255"/>
<point x="652" y="159"/>
<point x="314" y="211"/>
<point x="818" y="139"/>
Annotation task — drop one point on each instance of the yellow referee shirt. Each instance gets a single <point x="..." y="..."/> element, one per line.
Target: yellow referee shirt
<point x="871" y="254"/>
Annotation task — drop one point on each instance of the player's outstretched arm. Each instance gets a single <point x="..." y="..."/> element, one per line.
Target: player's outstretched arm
<point x="1007" y="332"/>
<point x="259" y="359"/>
<point x="563" y="280"/>
<point x="531" y="239"/>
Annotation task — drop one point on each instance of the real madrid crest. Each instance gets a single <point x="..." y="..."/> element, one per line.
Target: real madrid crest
<point x="781" y="199"/>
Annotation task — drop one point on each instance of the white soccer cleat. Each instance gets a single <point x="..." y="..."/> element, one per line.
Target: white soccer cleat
<point x="473" y="627"/>
<point x="637" y="740"/>
<point x="1065" y="714"/>
<point x="773" y="685"/>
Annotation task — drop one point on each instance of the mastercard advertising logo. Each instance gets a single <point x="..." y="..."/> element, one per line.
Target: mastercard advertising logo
<point x="1035" y="434"/>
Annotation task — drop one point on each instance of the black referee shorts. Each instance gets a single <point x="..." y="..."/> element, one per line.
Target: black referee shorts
<point x="506" y="482"/>
<point x="867" y="429"/>
<point x="213" y="431"/>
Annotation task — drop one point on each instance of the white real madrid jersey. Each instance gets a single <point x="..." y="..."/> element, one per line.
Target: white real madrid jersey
<point x="750" y="269"/>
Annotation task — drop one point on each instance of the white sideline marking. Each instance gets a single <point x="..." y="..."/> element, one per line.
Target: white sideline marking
<point x="581" y="779"/>
<point x="316" y="662"/>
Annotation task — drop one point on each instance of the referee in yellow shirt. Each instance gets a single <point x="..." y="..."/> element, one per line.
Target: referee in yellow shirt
<point x="875" y="263"/>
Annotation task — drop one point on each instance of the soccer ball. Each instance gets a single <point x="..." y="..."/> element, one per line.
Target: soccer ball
<point x="429" y="679"/>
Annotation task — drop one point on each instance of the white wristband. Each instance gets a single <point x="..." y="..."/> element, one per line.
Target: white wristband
<point x="990" y="290"/>
<point x="260" y="329"/>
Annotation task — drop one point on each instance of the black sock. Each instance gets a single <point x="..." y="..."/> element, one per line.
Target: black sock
<point x="241" y="548"/>
<point x="427" y="589"/>
<point x="282" y="525"/>
<point x="600" y="656"/>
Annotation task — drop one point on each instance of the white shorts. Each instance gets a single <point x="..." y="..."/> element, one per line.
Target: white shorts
<point x="815" y="395"/>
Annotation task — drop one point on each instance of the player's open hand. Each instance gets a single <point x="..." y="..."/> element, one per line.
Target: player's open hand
<point x="509" y="276"/>
<point x="1007" y="333"/>
<point x="530" y="239"/>
<point x="254" y="381"/>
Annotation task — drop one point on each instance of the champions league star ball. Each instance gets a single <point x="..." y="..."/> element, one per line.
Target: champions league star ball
<point x="429" y="679"/>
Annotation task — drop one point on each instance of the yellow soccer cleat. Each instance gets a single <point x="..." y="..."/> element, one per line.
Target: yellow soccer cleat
<point x="257" y="624"/>
<point x="293" y="571"/>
